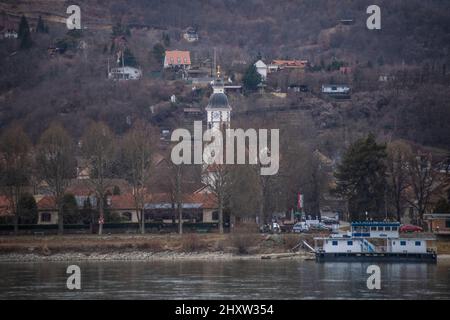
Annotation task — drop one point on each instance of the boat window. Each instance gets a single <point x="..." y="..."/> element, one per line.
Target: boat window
<point x="349" y="243"/>
<point x="387" y="229"/>
<point x="403" y="243"/>
<point x="335" y="243"/>
<point x="373" y="228"/>
<point x="380" y="228"/>
<point x="418" y="243"/>
<point x="394" y="228"/>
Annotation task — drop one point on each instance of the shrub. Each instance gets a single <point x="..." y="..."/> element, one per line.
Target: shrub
<point x="290" y="241"/>
<point x="244" y="237"/>
<point x="192" y="243"/>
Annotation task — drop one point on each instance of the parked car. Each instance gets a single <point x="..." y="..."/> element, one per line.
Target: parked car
<point x="300" y="227"/>
<point x="409" y="228"/>
<point x="321" y="227"/>
<point x="329" y="221"/>
<point x="270" y="228"/>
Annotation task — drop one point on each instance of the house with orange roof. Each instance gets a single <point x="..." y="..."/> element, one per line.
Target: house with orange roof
<point x="47" y="211"/>
<point x="177" y="59"/>
<point x="161" y="207"/>
<point x="278" y="65"/>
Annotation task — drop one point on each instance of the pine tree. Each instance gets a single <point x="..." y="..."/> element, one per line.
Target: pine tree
<point x="166" y="39"/>
<point x="158" y="52"/>
<point x="40" y="27"/>
<point x="128" y="58"/>
<point x="24" y="34"/>
<point x="361" y="178"/>
<point x="251" y="78"/>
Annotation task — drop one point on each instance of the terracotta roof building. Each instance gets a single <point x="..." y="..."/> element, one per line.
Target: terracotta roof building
<point x="177" y="59"/>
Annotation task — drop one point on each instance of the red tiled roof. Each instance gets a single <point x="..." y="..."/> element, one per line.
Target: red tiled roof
<point x="126" y="201"/>
<point x="290" y="63"/>
<point x="47" y="203"/>
<point x="178" y="57"/>
<point x="208" y="200"/>
<point x="123" y="201"/>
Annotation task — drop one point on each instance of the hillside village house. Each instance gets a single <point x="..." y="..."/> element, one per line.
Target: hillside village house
<point x="190" y="35"/>
<point x="177" y="59"/>
<point x="262" y="69"/>
<point x="335" y="89"/>
<point x="278" y="65"/>
<point x="125" y="73"/>
<point x="8" y="31"/>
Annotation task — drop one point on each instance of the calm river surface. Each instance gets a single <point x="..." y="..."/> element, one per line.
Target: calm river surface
<point x="223" y="280"/>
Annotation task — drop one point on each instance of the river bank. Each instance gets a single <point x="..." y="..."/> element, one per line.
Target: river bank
<point x="160" y="247"/>
<point x="146" y="247"/>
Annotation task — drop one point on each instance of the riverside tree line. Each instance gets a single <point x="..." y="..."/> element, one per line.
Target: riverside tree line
<point x="377" y="178"/>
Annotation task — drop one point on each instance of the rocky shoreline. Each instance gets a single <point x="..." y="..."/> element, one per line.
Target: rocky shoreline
<point x="147" y="256"/>
<point x="124" y="256"/>
<point x="141" y="256"/>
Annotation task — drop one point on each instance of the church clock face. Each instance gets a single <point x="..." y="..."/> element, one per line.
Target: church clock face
<point x="216" y="116"/>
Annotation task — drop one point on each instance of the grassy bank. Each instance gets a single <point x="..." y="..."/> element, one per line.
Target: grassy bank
<point x="241" y="244"/>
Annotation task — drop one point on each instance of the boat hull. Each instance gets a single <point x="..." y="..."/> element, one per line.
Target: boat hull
<point x="376" y="257"/>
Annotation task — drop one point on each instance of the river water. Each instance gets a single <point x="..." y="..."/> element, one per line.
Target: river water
<point x="244" y="279"/>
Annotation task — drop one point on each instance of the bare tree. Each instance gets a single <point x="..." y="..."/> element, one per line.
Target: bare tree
<point x="244" y="199"/>
<point x="217" y="179"/>
<point x="98" y="146"/>
<point x="178" y="171"/>
<point x="56" y="164"/>
<point x="15" y="161"/>
<point x="422" y="179"/>
<point x="398" y="173"/>
<point x="138" y="148"/>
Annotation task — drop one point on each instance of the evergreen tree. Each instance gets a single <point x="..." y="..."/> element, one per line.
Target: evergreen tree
<point x="251" y="78"/>
<point x="158" y="52"/>
<point x="166" y="39"/>
<point x="70" y="210"/>
<point x="28" y="209"/>
<point x="40" y="27"/>
<point x="128" y="59"/>
<point x="361" y="178"/>
<point x="24" y="34"/>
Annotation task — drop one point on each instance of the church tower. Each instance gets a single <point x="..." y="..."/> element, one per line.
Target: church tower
<point x="218" y="109"/>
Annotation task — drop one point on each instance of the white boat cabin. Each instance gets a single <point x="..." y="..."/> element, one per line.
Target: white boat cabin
<point x="370" y="229"/>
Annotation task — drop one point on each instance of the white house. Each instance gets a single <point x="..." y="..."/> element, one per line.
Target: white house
<point x="335" y="89"/>
<point x="262" y="69"/>
<point x="190" y="35"/>
<point x="125" y="73"/>
<point x="10" y="34"/>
